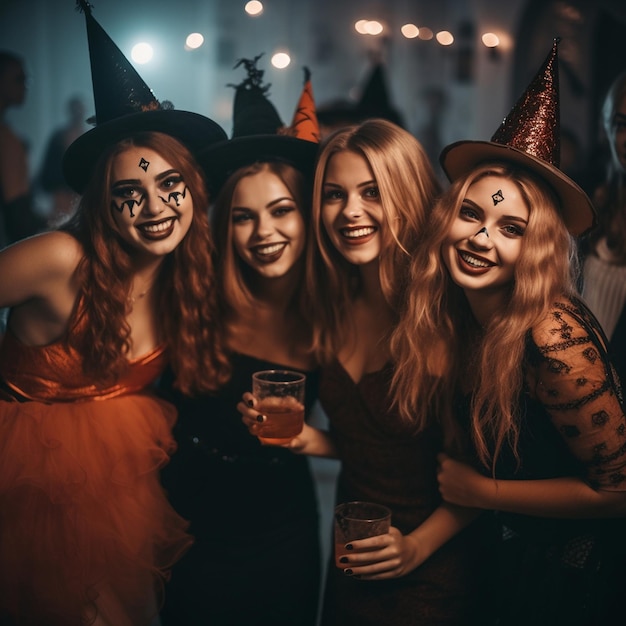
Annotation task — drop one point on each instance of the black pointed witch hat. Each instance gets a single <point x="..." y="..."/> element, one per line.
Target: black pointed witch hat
<point x="258" y="132"/>
<point x="125" y="105"/>
<point x="375" y="99"/>
<point x="529" y="136"/>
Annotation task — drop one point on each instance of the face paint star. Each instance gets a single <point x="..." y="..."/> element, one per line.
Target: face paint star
<point x="497" y="197"/>
<point x="143" y="164"/>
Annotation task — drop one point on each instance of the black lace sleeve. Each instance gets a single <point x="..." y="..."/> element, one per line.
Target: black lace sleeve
<point x="576" y="384"/>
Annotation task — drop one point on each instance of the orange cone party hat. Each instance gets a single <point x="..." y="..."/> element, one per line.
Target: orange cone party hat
<point x="305" y="124"/>
<point x="529" y="136"/>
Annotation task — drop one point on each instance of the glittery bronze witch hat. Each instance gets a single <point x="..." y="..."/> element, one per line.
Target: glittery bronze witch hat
<point x="529" y="136"/>
<point x="259" y="135"/>
<point x="125" y="105"/>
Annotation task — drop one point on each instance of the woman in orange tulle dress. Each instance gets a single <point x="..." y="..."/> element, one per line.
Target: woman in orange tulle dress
<point x="95" y="310"/>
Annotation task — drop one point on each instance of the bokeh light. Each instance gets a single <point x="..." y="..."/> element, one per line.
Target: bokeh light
<point x="410" y="31"/>
<point x="193" y="41"/>
<point x="491" y="40"/>
<point x="374" y="27"/>
<point x="281" y="60"/>
<point x="142" y="53"/>
<point x="360" y="27"/>
<point x="254" y="7"/>
<point x="445" y="38"/>
<point x="425" y="33"/>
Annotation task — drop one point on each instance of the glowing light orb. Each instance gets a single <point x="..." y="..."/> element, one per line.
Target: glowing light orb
<point x="193" y="41"/>
<point x="410" y="31"/>
<point x="281" y="60"/>
<point x="254" y="7"/>
<point x="142" y="53"/>
<point x="491" y="40"/>
<point x="445" y="38"/>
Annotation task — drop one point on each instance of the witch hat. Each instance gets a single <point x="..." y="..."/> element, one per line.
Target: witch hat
<point x="529" y="136"/>
<point x="125" y="105"/>
<point x="305" y="124"/>
<point x="375" y="100"/>
<point x="259" y="135"/>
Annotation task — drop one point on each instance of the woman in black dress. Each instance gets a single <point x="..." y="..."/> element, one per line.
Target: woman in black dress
<point x="252" y="508"/>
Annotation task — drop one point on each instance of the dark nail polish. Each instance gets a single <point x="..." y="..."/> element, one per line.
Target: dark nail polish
<point x="260" y="418"/>
<point x="349" y="546"/>
<point x="347" y="572"/>
<point x="250" y="403"/>
<point x="343" y="559"/>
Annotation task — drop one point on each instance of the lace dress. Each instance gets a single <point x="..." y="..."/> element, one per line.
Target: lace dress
<point x="253" y="513"/>
<point x="383" y="461"/>
<point x="85" y="528"/>
<point x="560" y="571"/>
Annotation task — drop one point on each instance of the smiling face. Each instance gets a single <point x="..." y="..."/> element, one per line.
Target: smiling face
<point x="485" y="240"/>
<point x="151" y="205"/>
<point x="268" y="229"/>
<point x="352" y="211"/>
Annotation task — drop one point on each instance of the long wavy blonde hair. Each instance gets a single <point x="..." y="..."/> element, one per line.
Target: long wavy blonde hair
<point x="187" y="315"/>
<point x="438" y="344"/>
<point x="407" y="185"/>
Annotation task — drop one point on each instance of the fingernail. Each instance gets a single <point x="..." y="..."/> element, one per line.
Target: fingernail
<point x="347" y="572"/>
<point x="260" y="418"/>
<point x="343" y="559"/>
<point x="250" y="403"/>
<point x="349" y="546"/>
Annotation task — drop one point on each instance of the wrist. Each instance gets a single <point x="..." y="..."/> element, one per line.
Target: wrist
<point x="487" y="493"/>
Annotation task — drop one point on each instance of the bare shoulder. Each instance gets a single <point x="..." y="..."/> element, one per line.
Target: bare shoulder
<point x="37" y="266"/>
<point x="54" y="249"/>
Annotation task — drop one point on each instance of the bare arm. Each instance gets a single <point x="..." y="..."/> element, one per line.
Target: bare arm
<point x="38" y="282"/>
<point x="567" y="497"/>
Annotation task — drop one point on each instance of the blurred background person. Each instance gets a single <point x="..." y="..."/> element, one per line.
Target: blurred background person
<point x="50" y="177"/>
<point x="18" y="219"/>
<point x="604" y="273"/>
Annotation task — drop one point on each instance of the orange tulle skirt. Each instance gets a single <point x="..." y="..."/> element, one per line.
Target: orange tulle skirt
<point x="86" y="532"/>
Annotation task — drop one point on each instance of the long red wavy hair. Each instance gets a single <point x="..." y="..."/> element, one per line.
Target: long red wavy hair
<point x="189" y="324"/>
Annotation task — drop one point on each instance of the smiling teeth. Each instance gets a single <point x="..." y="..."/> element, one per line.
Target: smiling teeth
<point x="267" y="250"/>
<point x="157" y="228"/>
<point x="359" y="232"/>
<point x="473" y="261"/>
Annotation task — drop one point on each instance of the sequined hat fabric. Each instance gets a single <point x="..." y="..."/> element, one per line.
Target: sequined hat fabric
<point x="530" y="136"/>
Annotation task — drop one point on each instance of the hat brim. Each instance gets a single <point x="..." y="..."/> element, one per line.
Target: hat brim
<point x="193" y="130"/>
<point x="222" y="159"/>
<point x="578" y="212"/>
